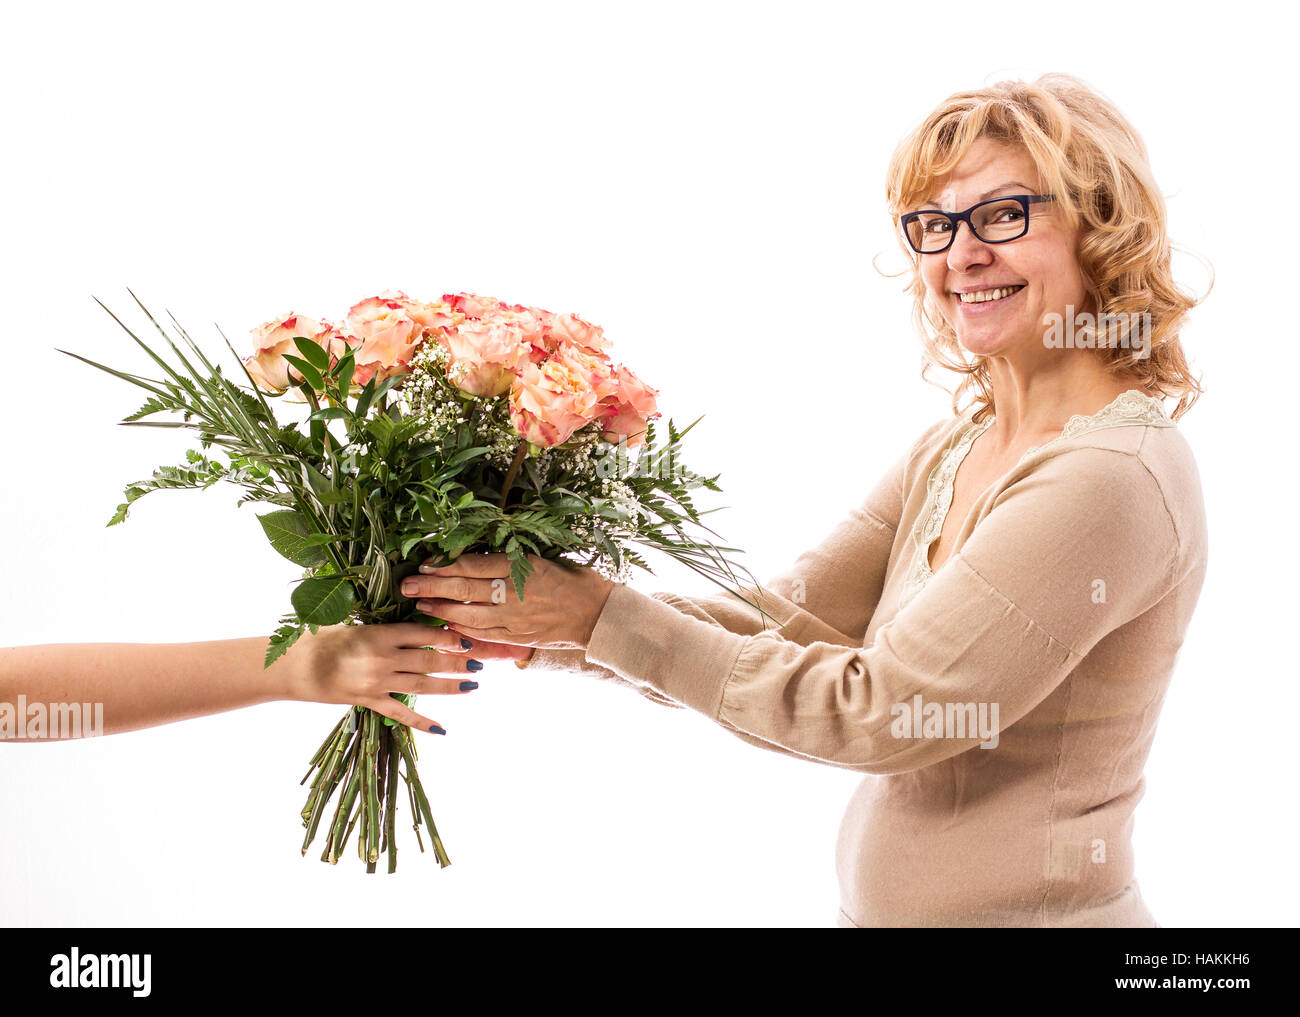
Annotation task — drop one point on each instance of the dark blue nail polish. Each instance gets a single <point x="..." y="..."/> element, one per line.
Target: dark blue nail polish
<point x="435" y="729"/>
<point x="465" y="644"/>
<point x="468" y="686"/>
<point x="474" y="665"/>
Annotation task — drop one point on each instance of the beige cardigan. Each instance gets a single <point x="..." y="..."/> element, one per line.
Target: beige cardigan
<point x="1059" y="614"/>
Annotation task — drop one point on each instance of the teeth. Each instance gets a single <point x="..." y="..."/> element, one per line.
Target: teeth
<point x="980" y="296"/>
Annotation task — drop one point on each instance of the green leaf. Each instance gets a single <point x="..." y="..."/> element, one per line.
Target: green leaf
<point x="612" y="512"/>
<point x="381" y="430"/>
<point x="363" y="400"/>
<point x="455" y="543"/>
<point x="466" y="455"/>
<point x="316" y="480"/>
<point x="285" y="636"/>
<point x="520" y="569"/>
<point x="324" y="600"/>
<point x="313" y="353"/>
<point x="151" y="405"/>
<point x="149" y="384"/>
<point x="288" y="533"/>
<point x="570" y="504"/>
<point x="344" y="370"/>
<point x="331" y="413"/>
<point x="307" y="371"/>
<point x="386" y="386"/>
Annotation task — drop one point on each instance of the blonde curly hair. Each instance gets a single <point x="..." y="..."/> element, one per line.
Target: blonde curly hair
<point x="1096" y="164"/>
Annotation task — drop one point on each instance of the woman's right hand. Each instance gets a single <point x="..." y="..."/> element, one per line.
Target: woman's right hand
<point x="359" y="665"/>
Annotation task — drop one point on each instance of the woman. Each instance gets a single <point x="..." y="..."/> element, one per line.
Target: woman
<point x="989" y="636"/>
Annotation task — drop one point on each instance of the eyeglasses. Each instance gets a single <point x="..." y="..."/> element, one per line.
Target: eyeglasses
<point x="995" y="222"/>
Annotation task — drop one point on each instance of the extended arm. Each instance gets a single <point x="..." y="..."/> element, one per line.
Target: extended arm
<point x="1004" y="621"/>
<point x="144" y="684"/>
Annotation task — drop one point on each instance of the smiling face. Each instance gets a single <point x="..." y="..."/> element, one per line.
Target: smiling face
<point x="1042" y="262"/>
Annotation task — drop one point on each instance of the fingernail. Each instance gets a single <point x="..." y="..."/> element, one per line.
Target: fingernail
<point x="410" y="587"/>
<point x="468" y="686"/>
<point x="474" y="665"/>
<point x="465" y="644"/>
<point x="427" y="569"/>
<point x="435" y="729"/>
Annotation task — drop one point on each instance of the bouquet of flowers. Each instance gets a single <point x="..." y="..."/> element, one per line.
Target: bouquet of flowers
<point x="426" y="430"/>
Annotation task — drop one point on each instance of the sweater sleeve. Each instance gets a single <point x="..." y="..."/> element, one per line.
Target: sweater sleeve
<point x="1003" y="621"/>
<point x="828" y="595"/>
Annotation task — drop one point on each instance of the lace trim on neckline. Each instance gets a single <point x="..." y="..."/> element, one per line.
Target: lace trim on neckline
<point x="1128" y="409"/>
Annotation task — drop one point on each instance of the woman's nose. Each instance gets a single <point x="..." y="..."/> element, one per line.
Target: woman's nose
<point x="967" y="249"/>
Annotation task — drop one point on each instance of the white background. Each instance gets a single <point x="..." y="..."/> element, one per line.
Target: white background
<point x="705" y="180"/>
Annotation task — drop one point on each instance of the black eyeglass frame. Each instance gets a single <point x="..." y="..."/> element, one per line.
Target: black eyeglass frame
<point x="957" y="218"/>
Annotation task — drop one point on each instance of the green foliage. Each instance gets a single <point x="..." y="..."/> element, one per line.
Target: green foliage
<point x="283" y="638"/>
<point x="291" y="535"/>
<point x="325" y="600"/>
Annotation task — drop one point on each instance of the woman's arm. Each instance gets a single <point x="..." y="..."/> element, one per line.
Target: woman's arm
<point x="145" y="684"/>
<point x="1003" y="622"/>
<point x="828" y="595"/>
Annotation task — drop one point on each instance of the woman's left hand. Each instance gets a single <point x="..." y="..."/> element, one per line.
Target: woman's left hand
<point x="476" y="597"/>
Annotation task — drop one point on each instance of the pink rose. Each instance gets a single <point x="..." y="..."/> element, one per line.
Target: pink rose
<point x="629" y="409"/>
<point x="388" y="334"/>
<point x="272" y="340"/>
<point x="431" y="316"/>
<point x="550" y="402"/>
<point x="473" y="305"/>
<point x="485" y="355"/>
<point x="569" y="328"/>
<point x="591" y="370"/>
<point x="533" y="320"/>
<point x="536" y="324"/>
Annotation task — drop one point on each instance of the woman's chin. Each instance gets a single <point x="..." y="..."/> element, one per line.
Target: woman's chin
<point x="983" y="345"/>
<point x="992" y="343"/>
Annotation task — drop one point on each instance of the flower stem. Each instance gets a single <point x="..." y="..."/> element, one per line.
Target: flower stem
<point x="390" y="820"/>
<point x="520" y="453"/>
<point x="337" y="836"/>
<point x="372" y="786"/>
<point x="404" y="740"/>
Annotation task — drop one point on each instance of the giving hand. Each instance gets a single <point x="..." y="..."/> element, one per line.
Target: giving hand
<point x="476" y="597"/>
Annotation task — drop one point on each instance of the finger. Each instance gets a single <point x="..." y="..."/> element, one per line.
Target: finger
<point x="465" y="616"/>
<point x="461" y="589"/>
<point x="493" y="649"/>
<point x="403" y="714"/>
<point x="479" y="636"/>
<point x="430" y="685"/>
<point x="416" y="634"/>
<point x="433" y="662"/>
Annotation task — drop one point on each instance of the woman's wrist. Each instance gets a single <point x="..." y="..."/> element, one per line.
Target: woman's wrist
<point x="601" y="589"/>
<point x="290" y="676"/>
<point x="593" y="599"/>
